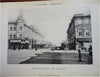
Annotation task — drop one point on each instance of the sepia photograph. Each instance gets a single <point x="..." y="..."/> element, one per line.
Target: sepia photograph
<point x="50" y="36"/>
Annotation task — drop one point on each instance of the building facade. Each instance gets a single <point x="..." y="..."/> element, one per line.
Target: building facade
<point x="79" y="32"/>
<point x="23" y="36"/>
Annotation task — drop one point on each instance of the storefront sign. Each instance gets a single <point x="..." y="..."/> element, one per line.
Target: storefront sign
<point x="15" y="40"/>
<point x="84" y="39"/>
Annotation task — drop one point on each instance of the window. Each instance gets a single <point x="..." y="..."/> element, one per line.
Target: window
<point x="87" y="34"/>
<point x="10" y="36"/>
<point x="11" y="28"/>
<point x="14" y="28"/>
<point x="20" y="36"/>
<point x="80" y="33"/>
<point x="14" y="36"/>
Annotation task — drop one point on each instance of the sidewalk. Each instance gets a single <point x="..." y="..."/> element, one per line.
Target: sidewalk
<point x="17" y="56"/>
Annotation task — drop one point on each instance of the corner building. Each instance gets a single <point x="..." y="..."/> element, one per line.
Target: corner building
<point x="21" y="35"/>
<point x="79" y="32"/>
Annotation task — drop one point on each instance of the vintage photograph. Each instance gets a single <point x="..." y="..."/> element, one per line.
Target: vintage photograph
<point x="50" y="36"/>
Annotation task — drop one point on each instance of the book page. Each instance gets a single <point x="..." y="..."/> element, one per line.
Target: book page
<point x="0" y="38"/>
<point x="50" y="38"/>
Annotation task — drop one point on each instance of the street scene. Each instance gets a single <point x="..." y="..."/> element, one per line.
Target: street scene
<point x="55" y="36"/>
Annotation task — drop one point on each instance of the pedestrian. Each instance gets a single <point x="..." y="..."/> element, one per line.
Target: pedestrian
<point x="90" y="50"/>
<point x="90" y="55"/>
<point x="79" y="52"/>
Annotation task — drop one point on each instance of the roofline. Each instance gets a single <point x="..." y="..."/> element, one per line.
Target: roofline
<point x="12" y="22"/>
<point x="32" y="30"/>
<point x="77" y="16"/>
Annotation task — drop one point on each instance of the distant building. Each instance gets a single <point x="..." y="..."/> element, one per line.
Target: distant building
<point x="79" y="32"/>
<point x="21" y="35"/>
<point x="65" y="42"/>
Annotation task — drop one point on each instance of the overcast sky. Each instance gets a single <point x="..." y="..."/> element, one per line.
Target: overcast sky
<point x="51" y="22"/>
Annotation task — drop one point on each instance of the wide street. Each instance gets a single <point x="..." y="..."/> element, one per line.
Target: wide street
<point x="46" y="56"/>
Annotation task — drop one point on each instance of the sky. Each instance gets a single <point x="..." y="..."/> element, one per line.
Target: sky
<point x="51" y="22"/>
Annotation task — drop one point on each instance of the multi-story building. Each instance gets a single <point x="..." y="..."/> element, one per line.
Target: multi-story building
<point x="79" y="32"/>
<point x="21" y="35"/>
